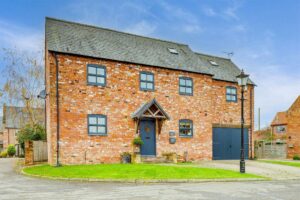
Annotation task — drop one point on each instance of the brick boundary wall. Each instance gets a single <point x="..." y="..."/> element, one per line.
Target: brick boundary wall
<point x="29" y="153"/>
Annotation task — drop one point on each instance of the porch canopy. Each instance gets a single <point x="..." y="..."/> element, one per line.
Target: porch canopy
<point x="151" y="109"/>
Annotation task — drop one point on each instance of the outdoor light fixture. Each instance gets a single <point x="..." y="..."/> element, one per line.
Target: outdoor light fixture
<point x="242" y="79"/>
<point x="42" y="95"/>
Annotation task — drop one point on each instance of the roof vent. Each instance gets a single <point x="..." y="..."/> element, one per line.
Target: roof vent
<point x="213" y="63"/>
<point x="173" y="51"/>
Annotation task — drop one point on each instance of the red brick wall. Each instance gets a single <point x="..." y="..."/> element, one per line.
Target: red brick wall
<point x="9" y="137"/>
<point x="293" y="134"/>
<point x="29" y="153"/>
<point x="119" y="99"/>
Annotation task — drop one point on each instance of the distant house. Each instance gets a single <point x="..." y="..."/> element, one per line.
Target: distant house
<point x="286" y="125"/>
<point x="106" y="87"/>
<point x="279" y="125"/>
<point x="15" y="118"/>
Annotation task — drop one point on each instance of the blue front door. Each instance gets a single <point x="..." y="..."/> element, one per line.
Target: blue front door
<point x="147" y="130"/>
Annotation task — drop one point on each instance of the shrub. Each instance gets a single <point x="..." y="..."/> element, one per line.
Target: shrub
<point x="31" y="132"/>
<point x="3" y="154"/>
<point x="11" y="150"/>
<point x="137" y="141"/>
<point x="296" y="157"/>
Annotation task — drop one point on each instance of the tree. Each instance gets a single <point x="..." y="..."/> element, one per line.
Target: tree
<point x="31" y="132"/>
<point x="24" y="74"/>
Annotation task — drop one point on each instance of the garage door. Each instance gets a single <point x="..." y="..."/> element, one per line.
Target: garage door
<point x="227" y="143"/>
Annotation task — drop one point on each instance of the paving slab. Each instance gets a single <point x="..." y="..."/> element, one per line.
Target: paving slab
<point x="18" y="187"/>
<point x="273" y="171"/>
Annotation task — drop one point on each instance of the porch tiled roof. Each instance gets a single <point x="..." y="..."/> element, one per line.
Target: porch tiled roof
<point x="141" y="110"/>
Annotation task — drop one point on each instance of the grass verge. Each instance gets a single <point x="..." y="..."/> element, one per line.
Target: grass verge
<point x="279" y="162"/>
<point x="134" y="172"/>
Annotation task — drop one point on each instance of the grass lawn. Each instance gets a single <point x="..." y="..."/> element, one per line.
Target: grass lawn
<point x="289" y="163"/>
<point x="135" y="171"/>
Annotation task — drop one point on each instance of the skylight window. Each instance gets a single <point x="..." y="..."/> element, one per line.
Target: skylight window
<point x="213" y="63"/>
<point x="173" y="51"/>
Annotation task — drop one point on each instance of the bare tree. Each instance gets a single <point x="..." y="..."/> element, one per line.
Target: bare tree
<point x="24" y="79"/>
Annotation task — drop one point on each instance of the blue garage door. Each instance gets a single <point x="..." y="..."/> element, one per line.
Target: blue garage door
<point x="227" y="143"/>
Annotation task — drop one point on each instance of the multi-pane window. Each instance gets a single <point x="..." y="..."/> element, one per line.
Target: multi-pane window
<point x="231" y="94"/>
<point x="185" y="86"/>
<point x="185" y="128"/>
<point x="97" y="125"/>
<point x="96" y="74"/>
<point x="146" y="81"/>
<point x="280" y="129"/>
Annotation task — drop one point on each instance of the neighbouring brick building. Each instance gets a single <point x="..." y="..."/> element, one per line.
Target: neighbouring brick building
<point x="15" y="118"/>
<point x="286" y="125"/>
<point x="105" y="87"/>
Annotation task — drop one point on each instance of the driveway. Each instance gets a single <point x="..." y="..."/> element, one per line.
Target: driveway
<point x="276" y="172"/>
<point x="15" y="186"/>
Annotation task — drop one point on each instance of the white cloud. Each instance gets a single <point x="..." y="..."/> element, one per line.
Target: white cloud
<point x="187" y="21"/>
<point x="239" y="28"/>
<point x="231" y="11"/>
<point x="192" y="28"/>
<point x="276" y="90"/>
<point x="24" y="39"/>
<point x="277" y="87"/>
<point x="141" y="28"/>
<point x="208" y="11"/>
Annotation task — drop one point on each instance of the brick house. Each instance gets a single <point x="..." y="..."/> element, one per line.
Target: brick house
<point x="286" y="125"/>
<point x="279" y="126"/>
<point x="15" y="118"/>
<point x="106" y="87"/>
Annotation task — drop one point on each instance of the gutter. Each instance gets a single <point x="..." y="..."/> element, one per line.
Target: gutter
<point x="251" y="123"/>
<point x="57" y="112"/>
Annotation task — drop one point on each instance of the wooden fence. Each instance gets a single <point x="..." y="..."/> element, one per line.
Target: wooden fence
<point x="273" y="150"/>
<point x="35" y="151"/>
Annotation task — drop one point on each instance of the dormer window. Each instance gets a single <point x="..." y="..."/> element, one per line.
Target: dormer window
<point x="214" y="63"/>
<point x="173" y="51"/>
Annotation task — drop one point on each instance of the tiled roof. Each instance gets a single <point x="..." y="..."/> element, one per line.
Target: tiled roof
<point x="80" y="39"/>
<point x="17" y="117"/>
<point x="141" y="110"/>
<point x="280" y="119"/>
<point x="222" y="68"/>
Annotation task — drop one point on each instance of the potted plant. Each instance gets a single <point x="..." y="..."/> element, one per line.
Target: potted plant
<point x="137" y="142"/>
<point x="126" y="158"/>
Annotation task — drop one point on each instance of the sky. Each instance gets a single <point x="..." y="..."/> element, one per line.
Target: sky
<point x="263" y="34"/>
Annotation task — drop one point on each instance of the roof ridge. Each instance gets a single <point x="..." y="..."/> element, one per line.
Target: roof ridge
<point x="204" y="54"/>
<point x="108" y="29"/>
<point x="23" y="107"/>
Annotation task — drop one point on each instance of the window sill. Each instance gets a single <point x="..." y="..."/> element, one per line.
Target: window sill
<point x="231" y="101"/>
<point x="185" y="94"/>
<point x="95" y="84"/>
<point x="145" y="90"/>
<point x="184" y="136"/>
<point x="91" y="134"/>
